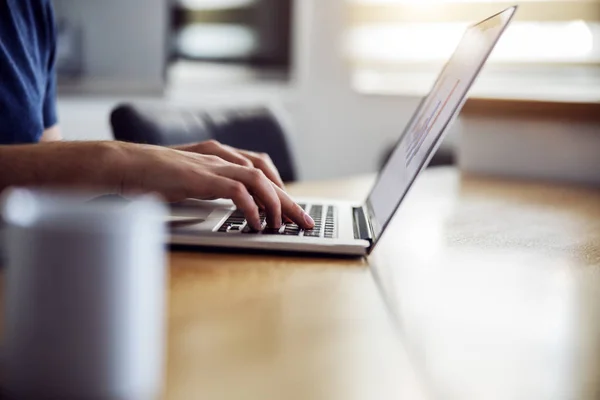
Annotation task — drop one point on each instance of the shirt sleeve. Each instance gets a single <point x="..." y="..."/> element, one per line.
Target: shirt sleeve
<point x="49" y="109"/>
<point x="50" y="114"/>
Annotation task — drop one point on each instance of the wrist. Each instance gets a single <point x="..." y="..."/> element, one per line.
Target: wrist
<point x="111" y="164"/>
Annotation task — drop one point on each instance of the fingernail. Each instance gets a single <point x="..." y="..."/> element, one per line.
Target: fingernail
<point x="309" y="220"/>
<point x="275" y="225"/>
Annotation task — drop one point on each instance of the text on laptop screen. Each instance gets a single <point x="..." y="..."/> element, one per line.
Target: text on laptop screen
<point x="432" y="118"/>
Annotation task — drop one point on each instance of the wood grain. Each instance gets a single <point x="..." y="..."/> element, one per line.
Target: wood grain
<point x="480" y="289"/>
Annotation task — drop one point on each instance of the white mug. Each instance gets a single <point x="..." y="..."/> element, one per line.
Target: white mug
<point x="84" y="297"/>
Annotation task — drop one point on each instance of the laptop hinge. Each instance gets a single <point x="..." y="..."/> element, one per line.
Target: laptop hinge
<point x="362" y="226"/>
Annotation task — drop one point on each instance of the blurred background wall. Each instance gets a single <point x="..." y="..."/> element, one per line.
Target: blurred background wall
<point x="117" y="45"/>
<point x="348" y="74"/>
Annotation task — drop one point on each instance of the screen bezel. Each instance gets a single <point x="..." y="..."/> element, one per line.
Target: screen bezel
<point x="378" y="231"/>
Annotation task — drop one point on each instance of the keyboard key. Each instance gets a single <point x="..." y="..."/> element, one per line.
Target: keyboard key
<point x="273" y="231"/>
<point x="312" y="233"/>
<point x="324" y="224"/>
<point x="292" y="230"/>
<point x="235" y="228"/>
<point x="248" y="228"/>
<point x="316" y="212"/>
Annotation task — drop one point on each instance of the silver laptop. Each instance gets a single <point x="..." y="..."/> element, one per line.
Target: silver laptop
<point x="345" y="228"/>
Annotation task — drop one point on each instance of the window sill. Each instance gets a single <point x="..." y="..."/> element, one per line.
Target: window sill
<point x="518" y="109"/>
<point x="562" y="86"/>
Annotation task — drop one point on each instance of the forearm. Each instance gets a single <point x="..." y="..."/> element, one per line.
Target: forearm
<point x="86" y="165"/>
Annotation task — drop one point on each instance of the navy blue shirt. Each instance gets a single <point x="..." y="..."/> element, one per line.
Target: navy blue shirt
<point x="27" y="70"/>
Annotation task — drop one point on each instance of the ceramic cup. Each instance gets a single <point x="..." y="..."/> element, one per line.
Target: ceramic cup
<point x="85" y="286"/>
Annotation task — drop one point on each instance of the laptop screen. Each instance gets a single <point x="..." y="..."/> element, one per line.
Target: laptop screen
<point x="432" y="119"/>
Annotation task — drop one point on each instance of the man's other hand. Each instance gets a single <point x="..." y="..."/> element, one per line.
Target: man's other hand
<point x="244" y="158"/>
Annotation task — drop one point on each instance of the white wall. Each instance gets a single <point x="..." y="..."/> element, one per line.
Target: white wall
<point x="123" y="41"/>
<point x="82" y="119"/>
<point x="536" y="149"/>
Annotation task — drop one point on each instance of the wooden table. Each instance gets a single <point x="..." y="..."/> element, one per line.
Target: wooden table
<point x="480" y="289"/>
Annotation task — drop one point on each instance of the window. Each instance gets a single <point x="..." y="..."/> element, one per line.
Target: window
<point x="395" y="43"/>
<point x="250" y="32"/>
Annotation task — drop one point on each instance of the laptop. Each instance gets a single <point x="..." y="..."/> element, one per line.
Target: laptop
<point x="343" y="228"/>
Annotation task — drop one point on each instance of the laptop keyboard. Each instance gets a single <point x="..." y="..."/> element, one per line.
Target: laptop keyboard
<point x="324" y="217"/>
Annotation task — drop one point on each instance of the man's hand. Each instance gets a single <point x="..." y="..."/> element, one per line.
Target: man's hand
<point x="130" y="168"/>
<point x="178" y="175"/>
<point x="244" y="158"/>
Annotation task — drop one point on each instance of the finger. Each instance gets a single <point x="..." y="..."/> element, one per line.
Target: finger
<point x="225" y="188"/>
<point x="259" y="203"/>
<point x="227" y="153"/>
<point x="293" y="211"/>
<point x="265" y="164"/>
<point x="261" y="188"/>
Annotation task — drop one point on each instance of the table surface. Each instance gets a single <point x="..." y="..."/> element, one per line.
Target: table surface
<point x="481" y="288"/>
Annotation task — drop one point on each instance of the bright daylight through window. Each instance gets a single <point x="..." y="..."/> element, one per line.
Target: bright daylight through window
<point x="394" y="43"/>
